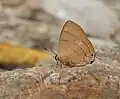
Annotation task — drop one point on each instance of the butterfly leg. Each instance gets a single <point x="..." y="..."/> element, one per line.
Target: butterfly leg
<point x="60" y="65"/>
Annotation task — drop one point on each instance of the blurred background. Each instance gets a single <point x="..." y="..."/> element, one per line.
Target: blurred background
<point x="37" y="23"/>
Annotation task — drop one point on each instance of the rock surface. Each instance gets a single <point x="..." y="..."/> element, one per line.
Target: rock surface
<point x="100" y="80"/>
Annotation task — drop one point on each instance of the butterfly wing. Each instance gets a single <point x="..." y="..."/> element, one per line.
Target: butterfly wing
<point x="73" y="44"/>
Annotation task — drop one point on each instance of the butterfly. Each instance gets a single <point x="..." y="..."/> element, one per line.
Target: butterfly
<point x="74" y="48"/>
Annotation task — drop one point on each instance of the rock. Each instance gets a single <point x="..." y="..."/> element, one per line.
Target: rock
<point x="99" y="80"/>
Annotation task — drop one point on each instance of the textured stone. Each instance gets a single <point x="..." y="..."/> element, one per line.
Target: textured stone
<point x="100" y="80"/>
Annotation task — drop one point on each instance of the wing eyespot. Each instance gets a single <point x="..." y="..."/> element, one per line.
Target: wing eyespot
<point x="91" y="61"/>
<point x="92" y="54"/>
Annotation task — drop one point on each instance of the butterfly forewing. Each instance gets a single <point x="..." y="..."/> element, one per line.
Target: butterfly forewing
<point x="73" y="45"/>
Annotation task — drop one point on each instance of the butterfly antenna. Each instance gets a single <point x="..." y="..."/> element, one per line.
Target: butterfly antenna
<point x="96" y="54"/>
<point x="50" y="51"/>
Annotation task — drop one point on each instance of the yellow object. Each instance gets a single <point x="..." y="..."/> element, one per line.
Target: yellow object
<point x="10" y="54"/>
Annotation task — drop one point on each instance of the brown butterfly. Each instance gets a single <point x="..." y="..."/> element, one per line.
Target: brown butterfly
<point x="74" y="48"/>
